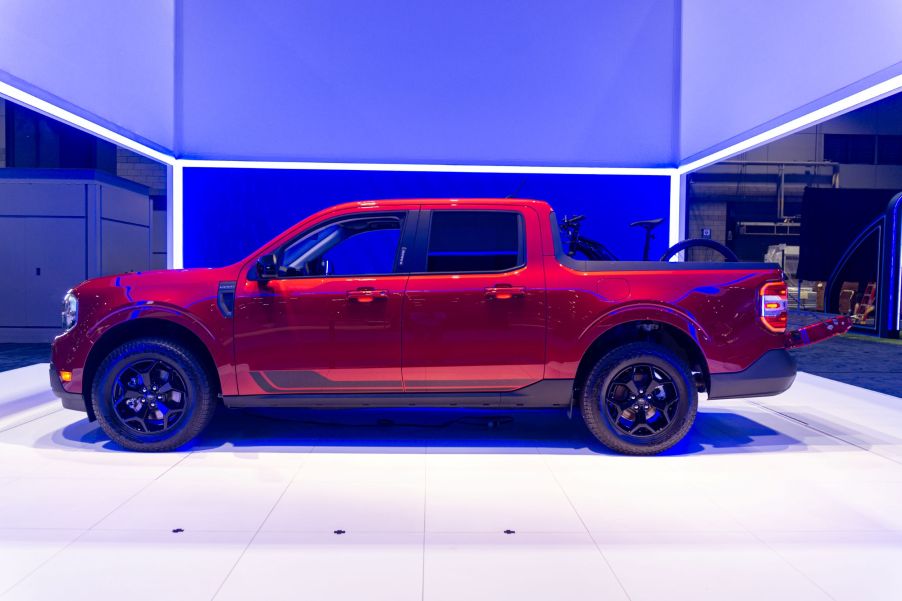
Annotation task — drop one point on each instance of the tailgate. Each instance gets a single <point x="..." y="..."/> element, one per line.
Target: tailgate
<point x="818" y="331"/>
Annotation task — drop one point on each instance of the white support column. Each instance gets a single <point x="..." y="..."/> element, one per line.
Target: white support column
<point x="677" y="208"/>
<point x="174" y="221"/>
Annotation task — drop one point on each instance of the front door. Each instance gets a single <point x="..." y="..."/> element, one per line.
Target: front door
<point x="331" y="321"/>
<point x="474" y="318"/>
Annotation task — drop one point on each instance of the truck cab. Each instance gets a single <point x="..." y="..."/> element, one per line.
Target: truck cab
<point x="431" y="302"/>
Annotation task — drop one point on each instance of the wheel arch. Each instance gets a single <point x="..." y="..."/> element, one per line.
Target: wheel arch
<point x="658" y="332"/>
<point x="147" y="327"/>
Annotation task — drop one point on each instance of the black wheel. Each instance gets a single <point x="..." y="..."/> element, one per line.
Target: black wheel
<point x="639" y="399"/>
<point x="152" y="395"/>
<point x="682" y="245"/>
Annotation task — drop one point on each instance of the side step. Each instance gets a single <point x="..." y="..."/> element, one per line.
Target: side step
<point x="542" y="394"/>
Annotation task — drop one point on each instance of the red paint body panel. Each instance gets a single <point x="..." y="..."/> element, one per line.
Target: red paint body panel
<point x="426" y="332"/>
<point x="718" y="309"/>
<point x="184" y="297"/>
<point x="309" y="326"/>
<point x="462" y="333"/>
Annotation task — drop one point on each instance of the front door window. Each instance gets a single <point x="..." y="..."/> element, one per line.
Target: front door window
<point x="351" y="247"/>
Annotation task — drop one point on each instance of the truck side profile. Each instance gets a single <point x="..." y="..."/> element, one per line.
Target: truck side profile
<point x="434" y="302"/>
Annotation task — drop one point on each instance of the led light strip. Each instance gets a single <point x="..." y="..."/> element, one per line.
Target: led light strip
<point x="175" y="230"/>
<point x="42" y="106"/>
<point x="677" y="221"/>
<point x="677" y="182"/>
<point x="436" y="168"/>
<point x="875" y="92"/>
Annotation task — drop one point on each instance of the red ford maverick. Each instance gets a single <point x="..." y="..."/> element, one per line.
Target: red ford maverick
<point x="450" y="303"/>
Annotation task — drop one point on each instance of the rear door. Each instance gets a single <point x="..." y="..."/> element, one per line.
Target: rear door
<point x="474" y="313"/>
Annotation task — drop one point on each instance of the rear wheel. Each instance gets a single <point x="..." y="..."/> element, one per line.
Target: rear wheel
<point x="152" y="395"/>
<point x="639" y="399"/>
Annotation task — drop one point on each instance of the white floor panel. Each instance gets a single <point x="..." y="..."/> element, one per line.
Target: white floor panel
<point x="644" y="506"/>
<point x="792" y="497"/>
<point x="692" y="566"/>
<point x="849" y="566"/>
<point x="22" y="551"/>
<point x="463" y="497"/>
<point x="237" y="502"/>
<point x="25" y="395"/>
<point x="354" y="492"/>
<point x="62" y="502"/>
<point x="135" y="565"/>
<point x="287" y="566"/>
<point x="517" y="566"/>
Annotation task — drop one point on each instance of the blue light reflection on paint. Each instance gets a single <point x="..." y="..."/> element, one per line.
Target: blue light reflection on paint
<point x="707" y="290"/>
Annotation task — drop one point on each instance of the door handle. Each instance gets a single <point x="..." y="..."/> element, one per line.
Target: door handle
<point x="504" y="292"/>
<point x="366" y="295"/>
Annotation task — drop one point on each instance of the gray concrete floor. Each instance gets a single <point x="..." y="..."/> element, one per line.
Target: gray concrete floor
<point x="858" y="359"/>
<point x="13" y="356"/>
<point x="871" y="363"/>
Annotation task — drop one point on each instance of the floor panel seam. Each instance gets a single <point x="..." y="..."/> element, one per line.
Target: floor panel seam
<point x="28" y="421"/>
<point x="90" y="528"/>
<point x="425" y="497"/>
<point x="259" y="528"/>
<point x="792" y="565"/>
<point x="588" y="531"/>
<point x="819" y="431"/>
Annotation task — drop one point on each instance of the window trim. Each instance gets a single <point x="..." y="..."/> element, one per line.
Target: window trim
<point x="424" y="231"/>
<point x="408" y="217"/>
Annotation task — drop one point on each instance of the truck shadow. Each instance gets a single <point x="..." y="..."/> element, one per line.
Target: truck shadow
<point x="403" y="430"/>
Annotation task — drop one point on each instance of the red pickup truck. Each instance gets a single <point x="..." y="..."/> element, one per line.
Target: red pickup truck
<point x="451" y="303"/>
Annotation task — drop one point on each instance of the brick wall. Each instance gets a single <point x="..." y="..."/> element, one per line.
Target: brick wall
<point x="142" y="170"/>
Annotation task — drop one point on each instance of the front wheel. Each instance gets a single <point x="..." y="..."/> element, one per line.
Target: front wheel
<point x="152" y="395"/>
<point x="639" y="399"/>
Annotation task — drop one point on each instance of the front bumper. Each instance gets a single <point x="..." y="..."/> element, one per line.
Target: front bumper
<point x="71" y="400"/>
<point x="772" y="374"/>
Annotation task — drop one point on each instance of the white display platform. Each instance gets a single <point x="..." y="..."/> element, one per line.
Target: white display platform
<point x="797" y="497"/>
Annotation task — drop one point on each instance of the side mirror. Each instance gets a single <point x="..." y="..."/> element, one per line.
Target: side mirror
<point x="268" y="267"/>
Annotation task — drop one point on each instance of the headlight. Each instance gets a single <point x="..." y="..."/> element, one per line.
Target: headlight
<point x="70" y="311"/>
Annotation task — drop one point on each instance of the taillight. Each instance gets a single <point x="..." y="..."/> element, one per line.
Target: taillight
<point x="773" y="306"/>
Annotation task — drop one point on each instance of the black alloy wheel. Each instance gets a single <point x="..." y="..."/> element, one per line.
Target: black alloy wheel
<point x="149" y="396"/>
<point x="639" y="399"/>
<point x="153" y="394"/>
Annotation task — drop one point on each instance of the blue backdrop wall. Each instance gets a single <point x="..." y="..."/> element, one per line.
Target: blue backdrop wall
<point x="234" y="211"/>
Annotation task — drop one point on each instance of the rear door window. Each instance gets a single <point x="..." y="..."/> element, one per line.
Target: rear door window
<point x="474" y="241"/>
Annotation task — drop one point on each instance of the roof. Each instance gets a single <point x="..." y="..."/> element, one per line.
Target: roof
<point x="390" y="202"/>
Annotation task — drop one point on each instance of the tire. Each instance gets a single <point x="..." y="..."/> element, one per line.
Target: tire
<point x="728" y="255"/>
<point x="183" y="390"/>
<point x="666" y="420"/>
